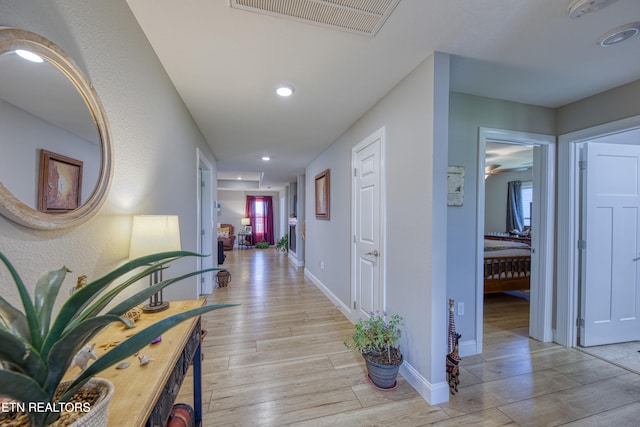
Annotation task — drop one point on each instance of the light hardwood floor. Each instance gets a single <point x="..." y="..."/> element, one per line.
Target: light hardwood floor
<point x="279" y="359"/>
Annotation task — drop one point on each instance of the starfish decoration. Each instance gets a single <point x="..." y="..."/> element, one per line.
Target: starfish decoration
<point x="109" y="344"/>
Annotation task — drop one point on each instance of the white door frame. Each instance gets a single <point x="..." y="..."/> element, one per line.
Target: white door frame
<point x="568" y="224"/>
<point x="205" y="221"/>
<point x="541" y="301"/>
<point x="382" y="260"/>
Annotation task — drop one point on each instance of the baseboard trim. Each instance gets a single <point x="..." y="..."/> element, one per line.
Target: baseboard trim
<point x="434" y="394"/>
<point x="467" y="348"/>
<point x="344" y="309"/>
<point x="294" y="259"/>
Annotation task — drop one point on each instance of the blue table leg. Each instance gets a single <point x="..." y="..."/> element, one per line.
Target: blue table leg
<point x="197" y="385"/>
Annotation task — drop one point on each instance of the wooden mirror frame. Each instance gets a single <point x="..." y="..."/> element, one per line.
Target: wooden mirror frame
<point x="11" y="207"/>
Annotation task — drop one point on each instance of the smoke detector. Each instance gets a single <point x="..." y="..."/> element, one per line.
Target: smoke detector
<point x="577" y="8"/>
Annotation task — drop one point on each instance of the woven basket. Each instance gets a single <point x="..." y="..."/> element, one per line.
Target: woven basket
<point x="223" y="278"/>
<point x="99" y="413"/>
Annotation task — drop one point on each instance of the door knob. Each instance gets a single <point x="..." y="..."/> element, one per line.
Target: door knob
<point x="374" y="253"/>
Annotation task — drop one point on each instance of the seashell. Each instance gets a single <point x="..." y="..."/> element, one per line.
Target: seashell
<point x="144" y="359"/>
<point x="81" y="359"/>
<point x="123" y="365"/>
<point x="134" y="314"/>
<point x="157" y="340"/>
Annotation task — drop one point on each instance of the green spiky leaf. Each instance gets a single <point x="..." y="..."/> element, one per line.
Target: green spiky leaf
<point x="65" y="349"/>
<point x="79" y="300"/>
<point x="135" y="343"/>
<point x="21" y="387"/>
<point x="21" y="356"/>
<point x="14" y="320"/>
<point x="142" y="295"/>
<point x="46" y="293"/>
<point x="27" y="304"/>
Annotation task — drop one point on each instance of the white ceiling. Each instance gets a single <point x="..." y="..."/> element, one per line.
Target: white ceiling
<point x="225" y="63"/>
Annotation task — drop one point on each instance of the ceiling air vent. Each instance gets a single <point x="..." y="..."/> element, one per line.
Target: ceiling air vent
<point x="364" y="17"/>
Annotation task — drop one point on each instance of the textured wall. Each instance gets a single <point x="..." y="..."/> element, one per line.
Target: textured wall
<point x="154" y="138"/>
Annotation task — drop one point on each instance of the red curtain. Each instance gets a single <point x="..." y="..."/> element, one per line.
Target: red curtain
<point x="259" y="210"/>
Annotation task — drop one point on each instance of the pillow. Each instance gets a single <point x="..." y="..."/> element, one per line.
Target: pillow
<point x="223" y="232"/>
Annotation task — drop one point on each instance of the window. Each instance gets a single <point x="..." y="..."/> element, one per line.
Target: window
<point x="259" y="210"/>
<point x="527" y="201"/>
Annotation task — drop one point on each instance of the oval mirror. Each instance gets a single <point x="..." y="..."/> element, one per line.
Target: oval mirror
<point x="56" y="160"/>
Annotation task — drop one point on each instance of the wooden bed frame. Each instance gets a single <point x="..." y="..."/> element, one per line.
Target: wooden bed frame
<point x="506" y="273"/>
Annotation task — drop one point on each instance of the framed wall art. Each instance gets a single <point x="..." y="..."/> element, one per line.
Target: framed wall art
<point x="60" y="183"/>
<point x="455" y="185"/>
<point x="323" y="195"/>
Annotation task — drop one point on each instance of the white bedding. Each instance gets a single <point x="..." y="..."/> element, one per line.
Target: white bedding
<point x="495" y="248"/>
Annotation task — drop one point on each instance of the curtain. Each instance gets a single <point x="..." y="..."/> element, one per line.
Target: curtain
<point x="259" y="210"/>
<point x="515" y="213"/>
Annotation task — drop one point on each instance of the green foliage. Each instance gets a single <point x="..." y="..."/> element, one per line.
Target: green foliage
<point x="282" y="245"/>
<point x="376" y="335"/>
<point x="262" y="245"/>
<point x="37" y="350"/>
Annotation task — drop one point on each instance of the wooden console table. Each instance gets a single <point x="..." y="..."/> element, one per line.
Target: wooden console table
<point x="144" y="395"/>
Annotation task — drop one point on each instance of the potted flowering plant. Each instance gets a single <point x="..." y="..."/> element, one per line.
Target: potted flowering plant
<point x="376" y="339"/>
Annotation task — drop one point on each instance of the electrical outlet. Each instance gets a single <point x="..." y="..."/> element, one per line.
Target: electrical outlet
<point x="321" y="265"/>
<point x="460" y="309"/>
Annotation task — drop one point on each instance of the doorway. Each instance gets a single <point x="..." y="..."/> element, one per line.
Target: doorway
<point x="205" y="223"/>
<point x="569" y="275"/>
<point x="542" y="228"/>
<point x="368" y="254"/>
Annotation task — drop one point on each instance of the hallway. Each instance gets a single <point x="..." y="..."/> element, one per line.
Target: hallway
<point x="279" y="359"/>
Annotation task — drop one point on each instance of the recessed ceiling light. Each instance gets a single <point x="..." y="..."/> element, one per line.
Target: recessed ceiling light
<point x="285" y="90"/>
<point x="266" y="158"/>
<point x="620" y="34"/>
<point x="29" y="56"/>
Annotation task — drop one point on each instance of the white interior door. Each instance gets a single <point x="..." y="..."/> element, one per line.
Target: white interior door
<point x="610" y="292"/>
<point x="205" y="225"/>
<point x="368" y="290"/>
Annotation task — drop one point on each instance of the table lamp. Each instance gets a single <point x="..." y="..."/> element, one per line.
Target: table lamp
<point x="152" y="234"/>
<point x="245" y="221"/>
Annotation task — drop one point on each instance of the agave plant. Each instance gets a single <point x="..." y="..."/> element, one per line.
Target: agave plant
<point x="37" y="350"/>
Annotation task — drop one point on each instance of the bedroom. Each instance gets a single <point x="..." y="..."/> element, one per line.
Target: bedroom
<point x="507" y="256"/>
<point x="508" y="184"/>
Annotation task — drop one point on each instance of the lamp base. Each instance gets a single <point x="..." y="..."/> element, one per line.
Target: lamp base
<point x="148" y="308"/>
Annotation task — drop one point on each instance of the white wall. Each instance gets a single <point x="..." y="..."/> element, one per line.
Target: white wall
<point x="414" y="115"/>
<point x="24" y="135"/>
<point x="154" y="138"/>
<point x="467" y="115"/>
<point x="616" y="104"/>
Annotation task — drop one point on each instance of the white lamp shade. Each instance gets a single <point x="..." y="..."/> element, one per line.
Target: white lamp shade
<point x="152" y="234"/>
<point x="245" y="221"/>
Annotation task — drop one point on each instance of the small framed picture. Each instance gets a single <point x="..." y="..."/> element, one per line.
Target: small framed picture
<point x="59" y="183"/>
<point x="248" y="229"/>
<point x="323" y="195"/>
